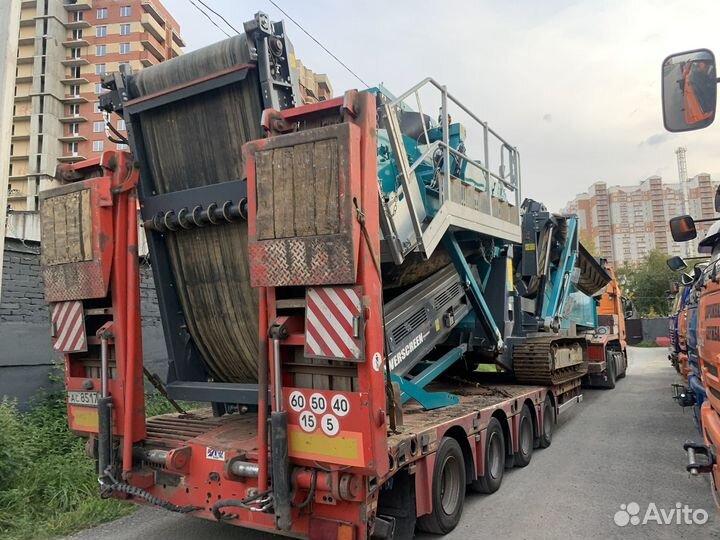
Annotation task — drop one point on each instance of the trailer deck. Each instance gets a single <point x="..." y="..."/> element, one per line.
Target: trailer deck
<point x="239" y="431"/>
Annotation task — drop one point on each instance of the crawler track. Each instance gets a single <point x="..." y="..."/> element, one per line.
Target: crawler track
<point x="534" y="362"/>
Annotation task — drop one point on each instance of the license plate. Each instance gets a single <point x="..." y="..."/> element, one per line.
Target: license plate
<point x="83" y="399"/>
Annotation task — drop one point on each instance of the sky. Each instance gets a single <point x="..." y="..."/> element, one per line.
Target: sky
<point x="575" y="86"/>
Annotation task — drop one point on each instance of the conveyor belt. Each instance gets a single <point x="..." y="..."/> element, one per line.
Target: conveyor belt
<point x="196" y="142"/>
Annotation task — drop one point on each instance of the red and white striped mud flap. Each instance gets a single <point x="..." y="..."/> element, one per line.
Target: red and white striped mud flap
<point x="68" y="322"/>
<point x="333" y="324"/>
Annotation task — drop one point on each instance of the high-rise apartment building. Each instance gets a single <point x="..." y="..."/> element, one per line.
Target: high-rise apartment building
<point x="314" y="87"/>
<point x="626" y="222"/>
<point x="64" y="48"/>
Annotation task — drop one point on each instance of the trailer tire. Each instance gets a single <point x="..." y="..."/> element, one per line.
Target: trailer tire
<point x="548" y="423"/>
<point x="494" y="460"/>
<point x="610" y="383"/>
<point x="526" y="438"/>
<point x="622" y="374"/>
<point x="448" y="489"/>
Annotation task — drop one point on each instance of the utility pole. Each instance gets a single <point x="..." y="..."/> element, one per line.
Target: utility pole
<point x="682" y="178"/>
<point x="10" y="16"/>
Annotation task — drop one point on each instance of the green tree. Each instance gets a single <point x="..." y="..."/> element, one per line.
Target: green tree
<point x="646" y="283"/>
<point x="588" y="242"/>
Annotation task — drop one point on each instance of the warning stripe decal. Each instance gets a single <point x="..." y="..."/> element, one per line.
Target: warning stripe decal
<point x="69" y="323"/>
<point x="329" y="323"/>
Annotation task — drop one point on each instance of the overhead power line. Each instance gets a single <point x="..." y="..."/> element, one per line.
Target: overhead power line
<point x="201" y="10"/>
<point x="223" y="18"/>
<point x="323" y="47"/>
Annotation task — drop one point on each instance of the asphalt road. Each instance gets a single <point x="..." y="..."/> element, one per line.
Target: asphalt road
<point x="616" y="448"/>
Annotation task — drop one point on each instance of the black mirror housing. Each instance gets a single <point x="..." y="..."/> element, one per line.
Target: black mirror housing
<point x="689" y="90"/>
<point x="676" y="263"/>
<point x="682" y="228"/>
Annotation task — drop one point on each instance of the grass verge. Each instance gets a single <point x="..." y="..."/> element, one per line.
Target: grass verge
<point x="48" y="486"/>
<point x="648" y="343"/>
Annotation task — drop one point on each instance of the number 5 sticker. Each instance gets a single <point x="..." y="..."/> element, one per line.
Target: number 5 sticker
<point x="330" y="425"/>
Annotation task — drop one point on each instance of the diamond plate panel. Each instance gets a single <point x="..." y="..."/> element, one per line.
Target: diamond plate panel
<point x="73" y="281"/>
<point x="324" y="260"/>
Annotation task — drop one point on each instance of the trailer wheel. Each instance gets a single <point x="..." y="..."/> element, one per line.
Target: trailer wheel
<point x="610" y="383"/>
<point x="448" y="489"/>
<point x="527" y="437"/>
<point x="548" y="423"/>
<point x="494" y="460"/>
<point x="622" y="374"/>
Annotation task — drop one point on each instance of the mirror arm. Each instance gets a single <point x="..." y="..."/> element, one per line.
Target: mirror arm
<point x="706" y="220"/>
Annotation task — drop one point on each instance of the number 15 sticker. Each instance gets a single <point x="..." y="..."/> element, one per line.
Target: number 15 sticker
<point x="308" y="421"/>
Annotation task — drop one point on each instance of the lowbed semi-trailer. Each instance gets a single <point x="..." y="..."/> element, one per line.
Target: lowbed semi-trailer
<point x="212" y="466"/>
<point x="336" y="280"/>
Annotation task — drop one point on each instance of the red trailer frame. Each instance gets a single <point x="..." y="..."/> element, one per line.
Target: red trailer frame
<point x="219" y="467"/>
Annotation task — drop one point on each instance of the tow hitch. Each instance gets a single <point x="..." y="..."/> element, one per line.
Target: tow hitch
<point x="684" y="396"/>
<point x="705" y="465"/>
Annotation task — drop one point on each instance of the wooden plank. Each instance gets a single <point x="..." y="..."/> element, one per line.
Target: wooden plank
<point x="60" y="229"/>
<point x="72" y="219"/>
<point x="325" y="160"/>
<point x="343" y="384"/>
<point x="321" y="382"/>
<point x="47" y="236"/>
<point x="284" y="208"/>
<point x="304" y="188"/>
<point x="265" y="196"/>
<point x="86" y="225"/>
<point x="301" y="379"/>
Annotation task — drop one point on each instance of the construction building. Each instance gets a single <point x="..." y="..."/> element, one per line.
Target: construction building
<point x="314" y="87"/>
<point x="626" y="222"/>
<point x="64" y="48"/>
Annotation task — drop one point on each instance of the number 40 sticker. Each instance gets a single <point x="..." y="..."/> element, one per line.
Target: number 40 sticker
<point x="340" y="405"/>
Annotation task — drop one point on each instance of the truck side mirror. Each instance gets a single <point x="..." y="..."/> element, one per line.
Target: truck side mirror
<point x="717" y="199"/>
<point x="682" y="228"/>
<point x="686" y="279"/>
<point x="676" y="263"/>
<point x="689" y="90"/>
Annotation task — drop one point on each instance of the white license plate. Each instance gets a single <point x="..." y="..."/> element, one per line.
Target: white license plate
<point x="84" y="399"/>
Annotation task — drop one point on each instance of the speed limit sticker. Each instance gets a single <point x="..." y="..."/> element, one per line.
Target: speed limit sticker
<point x="340" y="405"/>
<point x="330" y="425"/>
<point x="318" y="403"/>
<point x="297" y="401"/>
<point x="308" y="422"/>
<point x="377" y="361"/>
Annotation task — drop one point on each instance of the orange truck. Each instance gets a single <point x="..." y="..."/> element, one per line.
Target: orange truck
<point x="689" y="97"/>
<point x="607" y="344"/>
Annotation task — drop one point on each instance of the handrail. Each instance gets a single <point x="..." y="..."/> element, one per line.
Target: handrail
<point x="513" y="156"/>
<point x="437" y="85"/>
<point x="433" y="146"/>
